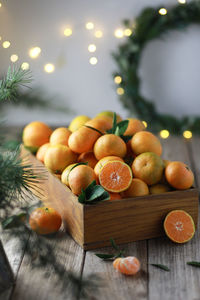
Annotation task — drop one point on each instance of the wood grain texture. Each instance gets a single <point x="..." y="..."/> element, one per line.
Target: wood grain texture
<point x="115" y="285"/>
<point x="182" y="282"/>
<point x="31" y="283"/>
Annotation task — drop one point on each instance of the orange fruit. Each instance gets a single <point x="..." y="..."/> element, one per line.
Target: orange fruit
<point x="179" y="226"/>
<point x="65" y="174"/>
<point x="179" y="175"/>
<point x="109" y="114"/>
<point x="60" y="136"/>
<point x="134" y="126"/>
<point x="80" y="177"/>
<point x="88" y="157"/>
<point x="41" y="152"/>
<point x="83" y="139"/>
<point x="128" y="265"/>
<point x="114" y="196"/>
<point x="148" y="167"/>
<point x="137" y="188"/>
<point x="115" y="176"/>
<point x="45" y="220"/>
<point x="77" y="122"/>
<point x="159" y="188"/>
<point x="145" y="141"/>
<point x="103" y="161"/>
<point x="35" y="134"/>
<point x="58" y="157"/>
<point x="100" y="123"/>
<point x="109" y="144"/>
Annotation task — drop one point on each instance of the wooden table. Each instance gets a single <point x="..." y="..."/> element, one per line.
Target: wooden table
<point x="182" y="282"/>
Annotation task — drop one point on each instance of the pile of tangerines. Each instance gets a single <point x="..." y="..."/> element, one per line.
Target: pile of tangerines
<point x="126" y="165"/>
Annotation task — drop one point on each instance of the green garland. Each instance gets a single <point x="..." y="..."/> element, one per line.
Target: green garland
<point x="148" y="26"/>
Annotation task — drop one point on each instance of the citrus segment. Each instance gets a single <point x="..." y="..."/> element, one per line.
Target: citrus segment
<point x="179" y="226"/>
<point x="115" y="176"/>
<point x="128" y="265"/>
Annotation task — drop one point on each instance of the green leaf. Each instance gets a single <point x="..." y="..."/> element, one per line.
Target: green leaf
<point x="105" y="256"/>
<point x="121" y="127"/>
<point x="90" y="127"/>
<point x="126" y="138"/>
<point x="194" y="263"/>
<point x="114" y="124"/>
<point x="163" y="267"/>
<point x="114" y="245"/>
<point x="93" y="193"/>
<point x="14" y="221"/>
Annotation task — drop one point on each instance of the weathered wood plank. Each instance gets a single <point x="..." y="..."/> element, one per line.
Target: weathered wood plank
<point x="115" y="285"/>
<point x="32" y="284"/>
<point x="182" y="282"/>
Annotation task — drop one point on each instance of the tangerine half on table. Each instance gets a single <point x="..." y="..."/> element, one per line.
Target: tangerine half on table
<point x="179" y="226"/>
<point x="115" y="176"/>
<point x="128" y="265"/>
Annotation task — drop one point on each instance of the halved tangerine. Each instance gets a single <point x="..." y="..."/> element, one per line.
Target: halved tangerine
<point x="179" y="226"/>
<point x="115" y="176"/>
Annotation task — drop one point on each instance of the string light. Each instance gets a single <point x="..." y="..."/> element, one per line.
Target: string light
<point x="120" y="91"/>
<point x="14" y="57"/>
<point x="25" y="66"/>
<point x="68" y="31"/>
<point x="49" y="68"/>
<point x="119" y="33"/>
<point x="93" y="60"/>
<point x="92" y="48"/>
<point x="0" y="38"/>
<point x="182" y="1"/>
<point x="187" y="134"/>
<point x="0" y="5"/>
<point x="98" y="34"/>
<point x="34" y="52"/>
<point x="117" y="79"/>
<point x="89" y="26"/>
<point x="162" y="11"/>
<point x="164" y="134"/>
<point x="145" y="124"/>
<point x="127" y="32"/>
<point x="6" y="44"/>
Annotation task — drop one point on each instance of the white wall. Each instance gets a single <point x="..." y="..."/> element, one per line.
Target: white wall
<point x="169" y="68"/>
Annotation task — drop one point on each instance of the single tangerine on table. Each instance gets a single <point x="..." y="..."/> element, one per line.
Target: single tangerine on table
<point x="134" y="125"/>
<point x="179" y="175"/>
<point x="115" y="176"/>
<point x="58" y="157"/>
<point x="80" y="177"/>
<point x="109" y="145"/>
<point x="137" y="188"/>
<point x="128" y="265"/>
<point x="35" y="134"/>
<point x="103" y="161"/>
<point x="88" y="157"/>
<point x="60" y="136"/>
<point x="45" y="220"/>
<point x="41" y="152"/>
<point x="145" y="141"/>
<point x="179" y="226"/>
<point x="83" y="139"/>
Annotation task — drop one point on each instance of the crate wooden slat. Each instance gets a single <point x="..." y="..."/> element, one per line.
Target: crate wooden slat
<point x="125" y="220"/>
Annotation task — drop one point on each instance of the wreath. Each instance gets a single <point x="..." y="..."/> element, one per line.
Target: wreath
<point x="152" y="23"/>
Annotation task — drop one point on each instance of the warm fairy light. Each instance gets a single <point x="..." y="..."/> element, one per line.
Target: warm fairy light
<point x="49" y="68"/>
<point x="93" y="60"/>
<point x="164" y="134"/>
<point x="162" y="11"/>
<point x="187" y="134"/>
<point x="0" y="4"/>
<point x="25" y="66"/>
<point x="145" y="124"/>
<point x="14" y="58"/>
<point x="6" y="44"/>
<point x="117" y="79"/>
<point x="68" y="31"/>
<point x="34" y="52"/>
<point x="182" y="1"/>
<point x="98" y="34"/>
<point x="0" y="38"/>
<point x="89" y="26"/>
<point x="120" y="91"/>
<point x="92" y="48"/>
<point x="119" y="33"/>
<point x="127" y="32"/>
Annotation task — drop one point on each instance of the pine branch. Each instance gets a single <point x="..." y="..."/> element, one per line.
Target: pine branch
<point x="15" y="78"/>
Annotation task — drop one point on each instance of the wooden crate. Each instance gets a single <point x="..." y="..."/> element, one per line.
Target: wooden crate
<point x="124" y="220"/>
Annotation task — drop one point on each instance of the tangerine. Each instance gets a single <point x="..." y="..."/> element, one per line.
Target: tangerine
<point x="65" y="174"/>
<point x="41" y="152"/>
<point x="103" y="161"/>
<point x="134" y="126"/>
<point x="128" y="265"/>
<point x="60" y="136"/>
<point x="145" y="141"/>
<point x="137" y="188"/>
<point x="159" y="188"/>
<point x="88" y="157"/>
<point x="77" y="122"/>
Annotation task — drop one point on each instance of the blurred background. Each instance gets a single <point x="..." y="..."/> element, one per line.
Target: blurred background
<point x="68" y="44"/>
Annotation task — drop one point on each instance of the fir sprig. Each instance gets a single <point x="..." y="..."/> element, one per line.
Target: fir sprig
<point x="14" y="79"/>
